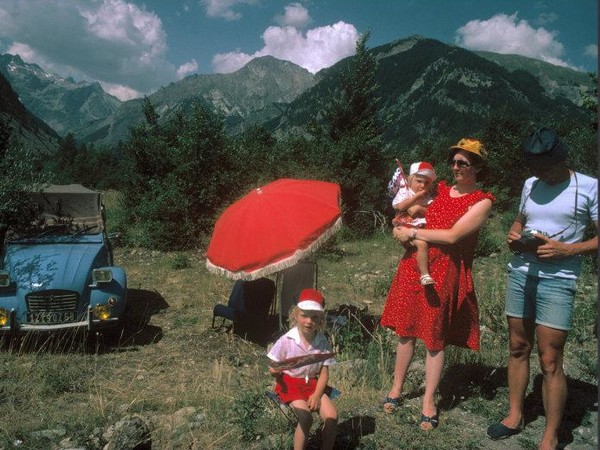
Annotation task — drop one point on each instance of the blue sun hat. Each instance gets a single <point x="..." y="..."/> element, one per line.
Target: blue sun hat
<point x="544" y="148"/>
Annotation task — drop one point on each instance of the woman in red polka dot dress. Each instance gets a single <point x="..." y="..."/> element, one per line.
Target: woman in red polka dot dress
<point x="444" y="313"/>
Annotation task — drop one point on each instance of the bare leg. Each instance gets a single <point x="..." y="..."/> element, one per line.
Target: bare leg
<point x="404" y="354"/>
<point x="422" y="256"/>
<point x="521" y="336"/>
<point x="304" y="423"/>
<point x="330" y="419"/>
<point x="434" y="366"/>
<point x="551" y="344"/>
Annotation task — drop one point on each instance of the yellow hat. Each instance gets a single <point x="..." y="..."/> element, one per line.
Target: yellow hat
<point x="472" y="146"/>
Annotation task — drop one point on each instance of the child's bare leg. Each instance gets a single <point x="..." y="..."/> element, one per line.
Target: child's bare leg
<point x="305" y="420"/>
<point x="423" y="261"/>
<point x="329" y="415"/>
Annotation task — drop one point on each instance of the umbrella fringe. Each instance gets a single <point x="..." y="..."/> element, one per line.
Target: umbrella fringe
<point x="281" y="265"/>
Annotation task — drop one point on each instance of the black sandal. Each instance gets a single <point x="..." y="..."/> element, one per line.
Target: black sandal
<point x="390" y="404"/>
<point x="428" y="423"/>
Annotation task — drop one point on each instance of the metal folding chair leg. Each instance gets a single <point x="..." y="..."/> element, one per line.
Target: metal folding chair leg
<point x="286" y="410"/>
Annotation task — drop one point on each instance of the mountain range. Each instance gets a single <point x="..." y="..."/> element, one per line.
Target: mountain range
<point x="26" y="127"/>
<point x="425" y="87"/>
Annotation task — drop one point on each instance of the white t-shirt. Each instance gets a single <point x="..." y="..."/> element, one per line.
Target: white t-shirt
<point x="290" y="346"/>
<point x="551" y="209"/>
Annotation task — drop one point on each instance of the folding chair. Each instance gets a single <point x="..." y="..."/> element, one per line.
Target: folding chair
<point x="287" y="411"/>
<point x="248" y="306"/>
<point x="290" y="282"/>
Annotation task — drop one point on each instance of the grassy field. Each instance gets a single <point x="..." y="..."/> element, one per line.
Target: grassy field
<point x="203" y="389"/>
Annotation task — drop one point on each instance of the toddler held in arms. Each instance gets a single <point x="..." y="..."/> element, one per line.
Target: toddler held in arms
<point x="411" y="199"/>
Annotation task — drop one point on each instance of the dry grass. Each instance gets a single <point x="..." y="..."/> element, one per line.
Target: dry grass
<point x="199" y="388"/>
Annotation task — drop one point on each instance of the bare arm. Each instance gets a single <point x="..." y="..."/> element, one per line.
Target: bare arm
<point x="469" y="223"/>
<point x="409" y="204"/>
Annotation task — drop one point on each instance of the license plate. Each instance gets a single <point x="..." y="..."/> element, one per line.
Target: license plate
<point x="51" y="317"/>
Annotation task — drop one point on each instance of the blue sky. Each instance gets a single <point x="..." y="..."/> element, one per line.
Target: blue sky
<point x="132" y="47"/>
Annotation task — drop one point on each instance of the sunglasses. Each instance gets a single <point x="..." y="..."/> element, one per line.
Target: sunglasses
<point x="459" y="162"/>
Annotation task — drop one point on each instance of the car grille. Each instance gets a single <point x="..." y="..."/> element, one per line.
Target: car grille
<point x="52" y="301"/>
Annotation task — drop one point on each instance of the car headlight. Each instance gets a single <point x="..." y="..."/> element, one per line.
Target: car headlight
<point x="4" y="278"/>
<point x="4" y="315"/>
<point x="101" y="276"/>
<point x="102" y="312"/>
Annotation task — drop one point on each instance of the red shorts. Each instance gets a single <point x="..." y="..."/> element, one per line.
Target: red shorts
<point x="290" y="388"/>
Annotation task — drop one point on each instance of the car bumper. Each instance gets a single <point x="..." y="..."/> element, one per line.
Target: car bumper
<point x="90" y="324"/>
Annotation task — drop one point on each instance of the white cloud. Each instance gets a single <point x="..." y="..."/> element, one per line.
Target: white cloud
<point x="319" y="48"/>
<point x="508" y="35"/>
<point x="113" y="41"/>
<point x="295" y="16"/>
<point x="224" y="9"/>
<point x="123" y="93"/>
<point x="187" y="68"/>
<point x="591" y="51"/>
<point x="230" y="62"/>
<point x="25" y="52"/>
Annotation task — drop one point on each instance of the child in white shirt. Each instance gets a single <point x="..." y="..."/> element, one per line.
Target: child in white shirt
<point x="305" y="388"/>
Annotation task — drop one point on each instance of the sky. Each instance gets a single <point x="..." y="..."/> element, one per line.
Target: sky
<point x="133" y="47"/>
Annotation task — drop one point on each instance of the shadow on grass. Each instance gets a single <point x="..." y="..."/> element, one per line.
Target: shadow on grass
<point x="463" y="381"/>
<point x="349" y="433"/>
<point x="135" y="328"/>
<point x="261" y="333"/>
<point x="582" y="398"/>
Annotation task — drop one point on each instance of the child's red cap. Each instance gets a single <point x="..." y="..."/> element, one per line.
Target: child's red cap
<point x="310" y="300"/>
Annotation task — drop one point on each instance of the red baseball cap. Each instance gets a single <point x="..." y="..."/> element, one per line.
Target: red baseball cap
<point x="310" y="300"/>
<point x="423" y="168"/>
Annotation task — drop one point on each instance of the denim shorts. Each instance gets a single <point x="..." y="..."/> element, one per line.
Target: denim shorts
<point x="547" y="300"/>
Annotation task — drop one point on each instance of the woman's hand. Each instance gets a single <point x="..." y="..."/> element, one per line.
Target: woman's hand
<point x="403" y="234"/>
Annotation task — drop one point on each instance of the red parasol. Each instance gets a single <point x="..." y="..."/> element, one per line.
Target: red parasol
<point x="273" y="227"/>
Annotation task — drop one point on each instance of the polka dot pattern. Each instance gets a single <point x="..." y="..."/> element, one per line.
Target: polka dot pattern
<point x="447" y="312"/>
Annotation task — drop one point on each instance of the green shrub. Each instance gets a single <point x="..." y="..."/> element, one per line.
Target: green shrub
<point x="488" y="242"/>
<point x="180" y="261"/>
<point x="246" y="412"/>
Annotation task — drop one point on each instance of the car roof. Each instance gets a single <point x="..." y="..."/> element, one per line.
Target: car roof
<point x="68" y="189"/>
<point x="74" y="202"/>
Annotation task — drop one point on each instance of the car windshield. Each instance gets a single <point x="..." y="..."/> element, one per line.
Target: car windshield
<point x="62" y="210"/>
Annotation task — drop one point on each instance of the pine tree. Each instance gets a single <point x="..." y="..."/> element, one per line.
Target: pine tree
<point x="355" y="131"/>
<point x="18" y="166"/>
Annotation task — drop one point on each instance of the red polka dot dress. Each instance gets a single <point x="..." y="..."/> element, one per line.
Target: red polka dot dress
<point x="447" y="313"/>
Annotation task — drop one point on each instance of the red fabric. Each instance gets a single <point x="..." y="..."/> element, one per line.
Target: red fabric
<point x="272" y="223"/>
<point x="446" y="314"/>
<point x="290" y="388"/>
